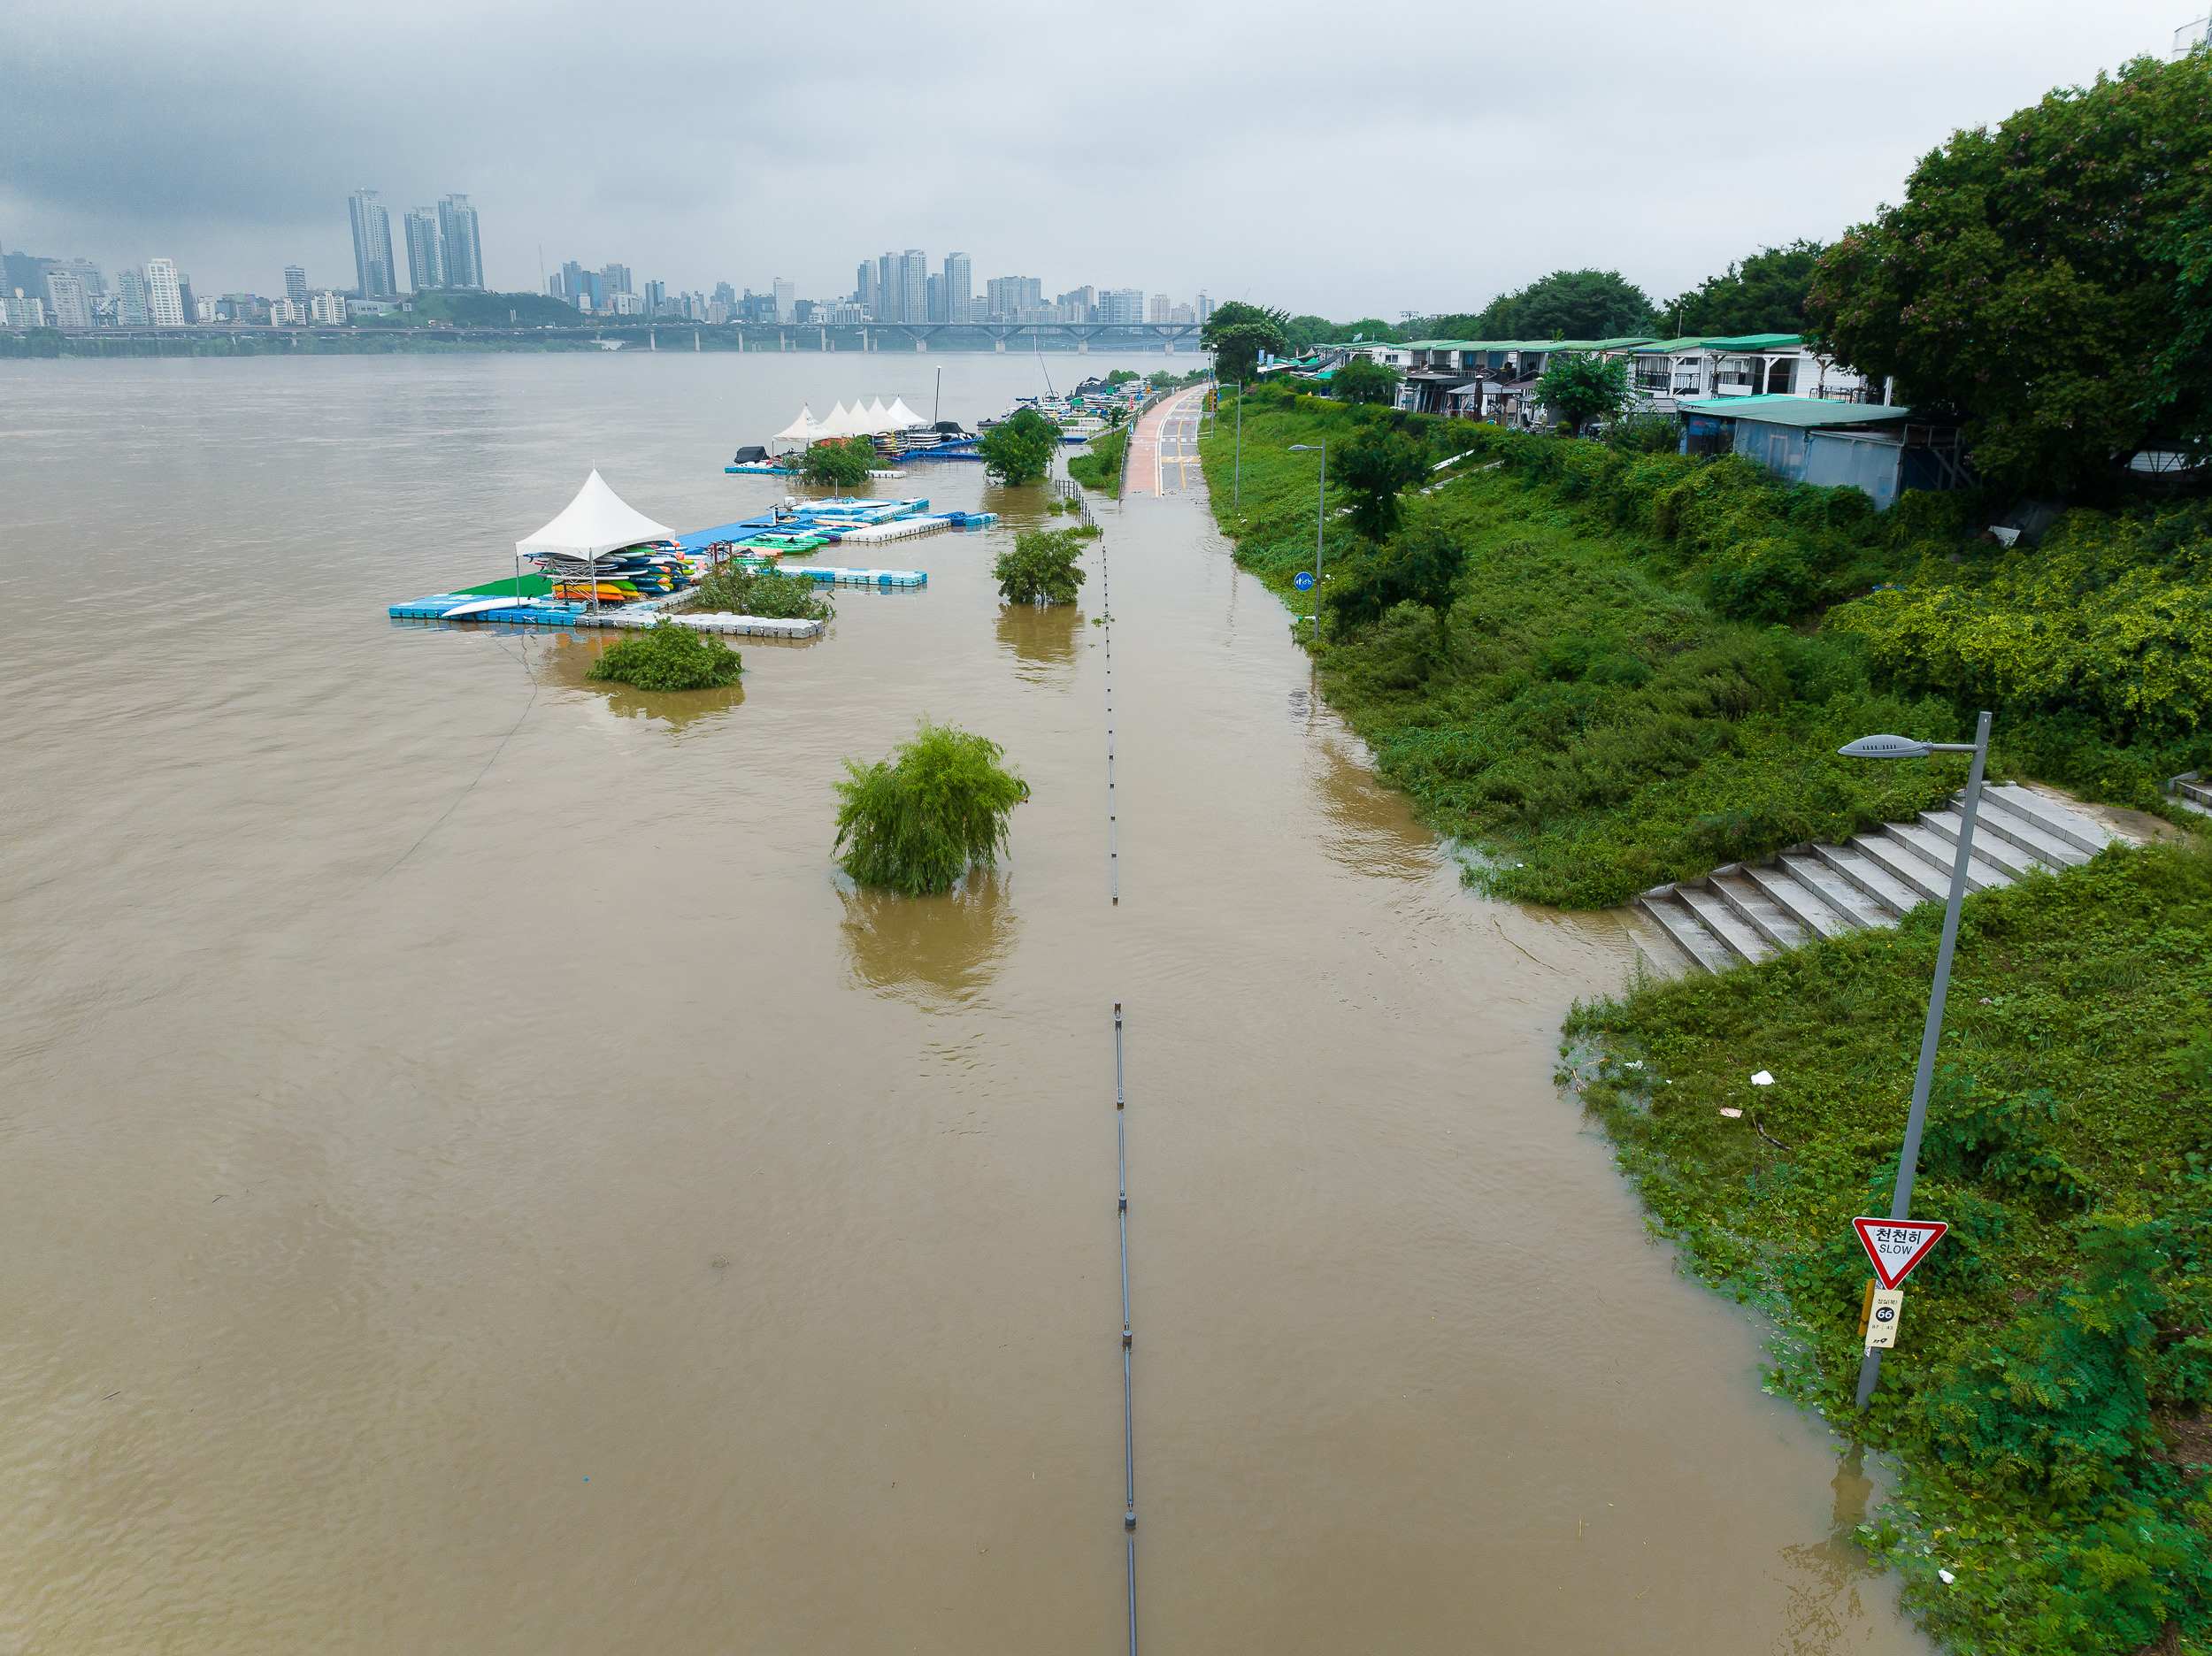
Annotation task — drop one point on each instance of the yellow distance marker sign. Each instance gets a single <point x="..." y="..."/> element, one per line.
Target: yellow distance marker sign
<point x="1885" y="1310"/>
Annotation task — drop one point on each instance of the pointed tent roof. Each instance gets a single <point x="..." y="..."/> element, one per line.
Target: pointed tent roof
<point x="840" y="424"/>
<point x="879" y="418"/>
<point x="901" y="416"/>
<point x="597" y="520"/>
<point x="803" y="429"/>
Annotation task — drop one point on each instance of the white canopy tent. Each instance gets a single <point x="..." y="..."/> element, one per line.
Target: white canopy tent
<point x="901" y="416"/>
<point x="879" y="418"/>
<point x="803" y="429"/>
<point x="597" y="520"/>
<point x="840" y="424"/>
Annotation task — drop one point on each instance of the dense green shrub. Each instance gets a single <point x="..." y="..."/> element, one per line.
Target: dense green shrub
<point x="1040" y="567"/>
<point x="1098" y="466"/>
<point x="766" y="591"/>
<point x="844" y="461"/>
<point x="1019" y="450"/>
<point x="914" y="823"/>
<point x="670" y="657"/>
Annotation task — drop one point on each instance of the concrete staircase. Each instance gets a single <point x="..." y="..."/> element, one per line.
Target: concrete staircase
<point x="1741" y="913"/>
<point x="2190" y="791"/>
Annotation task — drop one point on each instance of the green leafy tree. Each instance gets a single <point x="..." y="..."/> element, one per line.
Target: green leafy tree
<point x="1040" y="567"/>
<point x="1582" y="385"/>
<point x="915" y="822"/>
<point x="1567" y="304"/>
<point x="1020" y="449"/>
<point x="670" y="657"/>
<point x="1421" y="566"/>
<point x="1363" y="381"/>
<point x="1237" y="333"/>
<point x="842" y="461"/>
<point x="1372" y="465"/>
<point x="1764" y="294"/>
<point x="2036" y="275"/>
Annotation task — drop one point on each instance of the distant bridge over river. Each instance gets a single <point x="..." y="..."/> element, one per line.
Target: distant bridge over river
<point x="660" y="333"/>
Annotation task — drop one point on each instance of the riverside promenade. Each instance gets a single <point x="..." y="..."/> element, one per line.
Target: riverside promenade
<point x="1163" y="450"/>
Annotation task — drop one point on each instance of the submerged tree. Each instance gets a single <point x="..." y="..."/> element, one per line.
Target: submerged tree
<point x="1020" y="449"/>
<point x="845" y="461"/>
<point x="914" y="823"/>
<point x="670" y="657"/>
<point x="1041" y="567"/>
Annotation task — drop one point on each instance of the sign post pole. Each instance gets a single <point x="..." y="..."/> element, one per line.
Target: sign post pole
<point x="1916" y="1118"/>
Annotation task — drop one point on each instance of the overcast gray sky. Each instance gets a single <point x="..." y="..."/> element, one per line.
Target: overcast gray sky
<point x="1347" y="160"/>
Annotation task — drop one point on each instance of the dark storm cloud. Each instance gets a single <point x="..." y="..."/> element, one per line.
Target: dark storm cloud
<point x="1351" y="162"/>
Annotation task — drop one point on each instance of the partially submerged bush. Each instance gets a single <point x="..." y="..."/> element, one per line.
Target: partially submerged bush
<point x="1041" y="568"/>
<point x="1099" y="465"/>
<point x="670" y="657"/>
<point x="1020" y="449"/>
<point x="766" y="593"/>
<point x="915" y="822"/>
<point x="845" y="462"/>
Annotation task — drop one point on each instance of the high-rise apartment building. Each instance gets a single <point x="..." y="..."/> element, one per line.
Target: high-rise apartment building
<point x="939" y="310"/>
<point x="959" y="290"/>
<point x="130" y="297"/>
<point x="73" y="306"/>
<point x="865" y="293"/>
<point x="425" y="249"/>
<point x="913" y="286"/>
<point x="327" y="309"/>
<point x="786" y="293"/>
<point x="1009" y="296"/>
<point x="1205" y="306"/>
<point x="614" y="279"/>
<point x="295" y="284"/>
<point x="888" y="288"/>
<point x="463" y="246"/>
<point x="725" y="295"/>
<point x="84" y="270"/>
<point x="165" y="293"/>
<point x="656" y="297"/>
<point x="373" y="271"/>
<point x="1123" y="306"/>
<point x="1182" y="313"/>
<point x="1159" y="309"/>
<point x="1078" y="305"/>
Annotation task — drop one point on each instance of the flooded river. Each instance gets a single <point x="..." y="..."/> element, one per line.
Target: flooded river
<point x="476" y="1181"/>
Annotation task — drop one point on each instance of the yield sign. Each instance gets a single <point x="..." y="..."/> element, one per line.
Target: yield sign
<point x="1896" y="1245"/>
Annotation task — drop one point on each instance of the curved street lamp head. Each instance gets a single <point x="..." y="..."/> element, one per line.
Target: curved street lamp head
<point x="1301" y="449"/>
<point x="1887" y="747"/>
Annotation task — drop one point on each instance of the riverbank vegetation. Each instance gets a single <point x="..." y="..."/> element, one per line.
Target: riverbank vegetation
<point x="2045" y="1395"/>
<point x="915" y="822"/>
<point x="670" y="657"/>
<point x="1645" y="660"/>
<point x="1099" y="464"/>
<point x="766" y="592"/>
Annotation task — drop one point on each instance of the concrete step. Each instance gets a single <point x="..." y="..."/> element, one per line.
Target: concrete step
<point x="1684" y="930"/>
<point x="1942" y="855"/>
<point x="2191" y="792"/>
<point x="1838" y="893"/>
<point x="2055" y="820"/>
<point x="1782" y="886"/>
<point x="2006" y="838"/>
<point x="1739" y="938"/>
<point x="1750" y="904"/>
<point x="1869" y="876"/>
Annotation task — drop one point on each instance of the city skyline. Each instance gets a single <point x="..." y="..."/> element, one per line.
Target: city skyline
<point x="1433" y="200"/>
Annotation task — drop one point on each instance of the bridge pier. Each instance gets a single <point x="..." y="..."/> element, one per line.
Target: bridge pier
<point x="920" y="343"/>
<point x="1000" y="345"/>
<point x="1082" y="347"/>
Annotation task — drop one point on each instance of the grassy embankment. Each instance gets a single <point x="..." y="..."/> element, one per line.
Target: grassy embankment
<point x="2056" y="1348"/>
<point x="1651" y="659"/>
<point x="1647" y="662"/>
<point x="1098" y="465"/>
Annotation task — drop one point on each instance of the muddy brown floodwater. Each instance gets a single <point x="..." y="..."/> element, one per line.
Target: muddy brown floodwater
<point x="535" y="1207"/>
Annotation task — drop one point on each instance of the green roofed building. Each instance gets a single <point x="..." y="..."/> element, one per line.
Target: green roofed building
<point x="1877" y="448"/>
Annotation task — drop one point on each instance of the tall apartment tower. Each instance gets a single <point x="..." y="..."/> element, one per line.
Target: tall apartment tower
<point x="372" y="268"/>
<point x="1159" y="308"/>
<point x="130" y="297"/>
<point x="464" y="248"/>
<point x="164" y="295"/>
<point x="73" y="306"/>
<point x="888" y="289"/>
<point x="866" y="293"/>
<point x="1205" y="305"/>
<point x="786" y="294"/>
<point x="295" y="283"/>
<point x="425" y="251"/>
<point x="1122" y="305"/>
<point x="913" y="286"/>
<point x="959" y="290"/>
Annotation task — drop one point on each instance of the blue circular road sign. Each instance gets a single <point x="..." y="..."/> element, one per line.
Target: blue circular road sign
<point x="1304" y="582"/>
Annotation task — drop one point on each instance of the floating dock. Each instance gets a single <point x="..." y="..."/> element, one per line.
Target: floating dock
<point x="859" y="576"/>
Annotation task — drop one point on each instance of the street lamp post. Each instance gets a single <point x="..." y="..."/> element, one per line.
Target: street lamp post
<point x="1236" y="490"/>
<point x="1320" y="508"/>
<point x="1916" y="1118"/>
